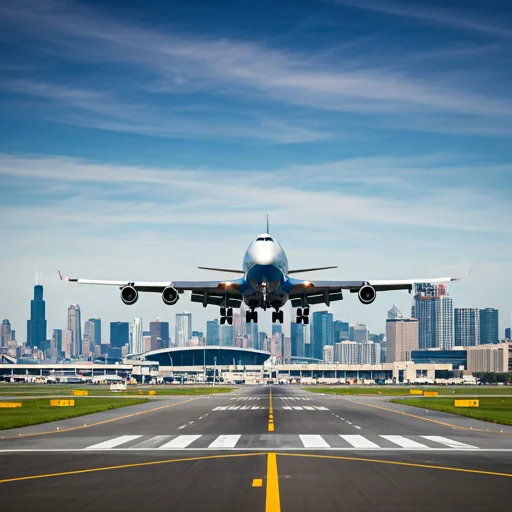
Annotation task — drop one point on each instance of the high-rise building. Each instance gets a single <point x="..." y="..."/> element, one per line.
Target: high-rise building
<point x="369" y="353"/>
<point x="287" y="349"/>
<point x="159" y="332"/>
<point x="507" y="333"/>
<point x="119" y="334"/>
<point x="488" y="326"/>
<point x="328" y="357"/>
<point x="5" y="333"/>
<point x="467" y="327"/>
<point x="444" y="319"/>
<point x="212" y="332"/>
<point x="297" y="339"/>
<point x="252" y="335"/>
<point x="95" y="334"/>
<point x="358" y="332"/>
<point x="36" y="326"/>
<point x="341" y="331"/>
<point x="402" y="338"/>
<point x="277" y="328"/>
<point x="57" y="340"/>
<point x="262" y="336"/>
<point x="183" y="329"/>
<point x="67" y="343"/>
<point x="394" y="313"/>
<point x="424" y="309"/>
<point x="137" y="342"/>
<point x="322" y="333"/>
<point x="75" y="325"/>
<point x="346" y="352"/>
<point x="226" y="335"/>
<point x="276" y="344"/>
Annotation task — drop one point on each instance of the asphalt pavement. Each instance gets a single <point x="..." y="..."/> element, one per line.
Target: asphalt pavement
<point x="216" y="452"/>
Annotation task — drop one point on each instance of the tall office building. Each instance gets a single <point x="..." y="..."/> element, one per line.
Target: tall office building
<point x="119" y="334"/>
<point x="328" y="357"/>
<point x="287" y="349"/>
<point x="137" y="342"/>
<point x="95" y="332"/>
<point x="5" y="333"/>
<point x="358" y="332"/>
<point x="402" y="338"/>
<point x="75" y="325"/>
<point x="346" y="352"/>
<point x="467" y="327"/>
<point x="297" y="339"/>
<point x="277" y="328"/>
<point x="424" y="309"/>
<point x="444" y="319"/>
<point x="488" y="326"/>
<point x="36" y="326"/>
<point x="369" y="353"/>
<point x="159" y="332"/>
<point x="252" y="335"/>
<point x="57" y="340"/>
<point x="67" y="343"/>
<point x="183" y="329"/>
<point x="322" y="333"/>
<point x="276" y="344"/>
<point x="394" y="313"/>
<point x="262" y="336"/>
<point x="212" y="332"/>
<point x="226" y="335"/>
<point x="341" y="331"/>
<point x="507" y="333"/>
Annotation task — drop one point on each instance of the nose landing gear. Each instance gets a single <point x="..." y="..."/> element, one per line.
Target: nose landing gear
<point x="277" y="316"/>
<point x="303" y="315"/>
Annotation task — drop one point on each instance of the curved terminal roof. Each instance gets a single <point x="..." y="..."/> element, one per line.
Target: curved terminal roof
<point x="195" y="356"/>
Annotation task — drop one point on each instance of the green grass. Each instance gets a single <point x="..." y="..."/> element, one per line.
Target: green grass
<point x="98" y="390"/>
<point x="495" y="410"/>
<point x="38" y="410"/>
<point x="404" y="390"/>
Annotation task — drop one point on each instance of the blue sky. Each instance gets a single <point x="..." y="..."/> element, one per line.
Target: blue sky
<point x="139" y="140"/>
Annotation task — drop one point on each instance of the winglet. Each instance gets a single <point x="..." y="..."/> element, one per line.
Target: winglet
<point x="268" y="228"/>
<point x="60" y="275"/>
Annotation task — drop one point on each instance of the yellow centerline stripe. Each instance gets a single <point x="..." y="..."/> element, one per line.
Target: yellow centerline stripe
<point x="126" y="466"/>
<point x="270" y="414"/>
<point x="395" y="463"/>
<point x="429" y="419"/>
<point x="272" y="502"/>
<point x="99" y="422"/>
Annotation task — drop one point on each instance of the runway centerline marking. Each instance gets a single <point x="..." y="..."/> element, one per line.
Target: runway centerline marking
<point x="272" y="501"/>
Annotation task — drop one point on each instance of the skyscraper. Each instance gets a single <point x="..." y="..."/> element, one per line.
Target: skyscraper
<point x="36" y="326"/>
<point x="444" y="319"/>
<point x="119" y="334"/>
<point x="5" y="333"/>
<point x="94" y="332"/>
<point x="226" y="335"/>
<point x="183" y="329"/>
<point x="277" y="328"/>
<point x="67" y="343"/>
<point x="137" y="342"/>
<point x="252" y="334"/>
<point x="297" y="339"/>
<point x="424" y="310"/>
<point x="341" y="330"/>
<point x="57" y="339"/>
<point x="159" y="332"/>
<point x="75" y="325"/>
<point x="346" y="352"/>
<point x="369" y="353"/>
<point x="467" y="327"/>
<point x="212" y="332"/>
<point x="322" y="333"/>
<point x="402" y="338"/>
<point x="358" y="332"/>
<point x="488" y="326"/>
<point x="507" y="333"/>
<point x="262" y="336"/>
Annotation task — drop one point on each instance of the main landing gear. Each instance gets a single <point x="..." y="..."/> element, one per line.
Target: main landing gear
<point x="251" y="316"/>
<point x="277" y="316"/>
<point x="303" y="315"/>
<point x="226" y="315"/>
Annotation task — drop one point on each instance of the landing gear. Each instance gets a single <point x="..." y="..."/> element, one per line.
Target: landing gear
<point x="226" y="315"/>
<point x="303" y="315"/>
<point x="251" y="316"/>
<point x="277" y="316"/>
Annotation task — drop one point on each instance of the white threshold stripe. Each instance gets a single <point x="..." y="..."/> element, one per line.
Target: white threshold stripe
<point x="308" y="407"/>
<point x="111" y="443"/>
<point x="359" y="441"/>
<point x="297" y="407"/>
<point x="404" y="442"/>
<point x="448" y="442"/>
<point x="313" y="441"/>
<point x="180" y="442"/>
<point x="225" y="441"/>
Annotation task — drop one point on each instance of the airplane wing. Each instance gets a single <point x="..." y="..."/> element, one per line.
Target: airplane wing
<point x="325" y="292"/>
<point x="205" y="292"/>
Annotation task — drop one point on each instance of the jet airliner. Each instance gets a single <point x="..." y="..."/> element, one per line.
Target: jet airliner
<point x="266" y="284"/>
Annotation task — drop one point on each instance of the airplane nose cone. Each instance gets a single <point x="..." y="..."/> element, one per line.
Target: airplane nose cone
<point x="264" y="256"/>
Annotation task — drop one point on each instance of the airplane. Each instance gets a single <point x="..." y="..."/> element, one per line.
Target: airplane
<point x="266" y="283"/>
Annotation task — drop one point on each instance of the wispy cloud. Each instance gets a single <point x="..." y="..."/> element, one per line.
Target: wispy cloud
<point x="442" y="16"/>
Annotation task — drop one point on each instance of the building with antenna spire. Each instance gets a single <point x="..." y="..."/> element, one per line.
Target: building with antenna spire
<point x="36" y="326"/>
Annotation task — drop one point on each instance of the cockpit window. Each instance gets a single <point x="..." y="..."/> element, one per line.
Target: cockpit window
<point x="268" y="239"/>
<point x="260" y="239"/>
<point x="264" y="239"/>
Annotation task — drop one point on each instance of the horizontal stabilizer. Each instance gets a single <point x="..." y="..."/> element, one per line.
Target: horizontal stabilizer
<point x="223" y="270"/>
<point x="309" y="269"/>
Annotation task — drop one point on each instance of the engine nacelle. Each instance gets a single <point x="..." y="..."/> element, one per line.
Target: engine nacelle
<point x="367" y="294"/>
<point x="170" y="296"/>
<point x="129" y="295"/>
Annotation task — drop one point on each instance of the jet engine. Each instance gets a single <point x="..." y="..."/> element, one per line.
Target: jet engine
<point x="367" y="294"/>
<point x="170" y="296"/>
<point x="129" y="295"/>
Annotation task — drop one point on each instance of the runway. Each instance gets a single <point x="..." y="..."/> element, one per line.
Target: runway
<point x="216" y="453"/>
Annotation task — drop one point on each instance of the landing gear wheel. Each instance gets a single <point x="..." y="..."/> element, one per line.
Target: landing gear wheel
<point x="222" y="320"/>
<point x="222" y="311"/>
<point x="305" y="320"/>
<point x="306" y="311"/>
<point x="230" y="320"/>
<point x="274" y="317"/>
<point x="229" y="313"/>
<point x="280" y="316"/>
<point x="299" y="319"/>
<point x="248" y="317"/>
<point x="255" y="317"/>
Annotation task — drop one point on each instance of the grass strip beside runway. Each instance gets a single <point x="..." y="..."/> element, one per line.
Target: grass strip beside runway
<point x="495" y="410"/>
<point x="38" y="410"/>
<point x="404" y="390"/>
<point x="65" y="390"/>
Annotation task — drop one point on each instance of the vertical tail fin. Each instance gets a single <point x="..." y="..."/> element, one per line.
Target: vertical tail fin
<point x="268" y="228"/>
